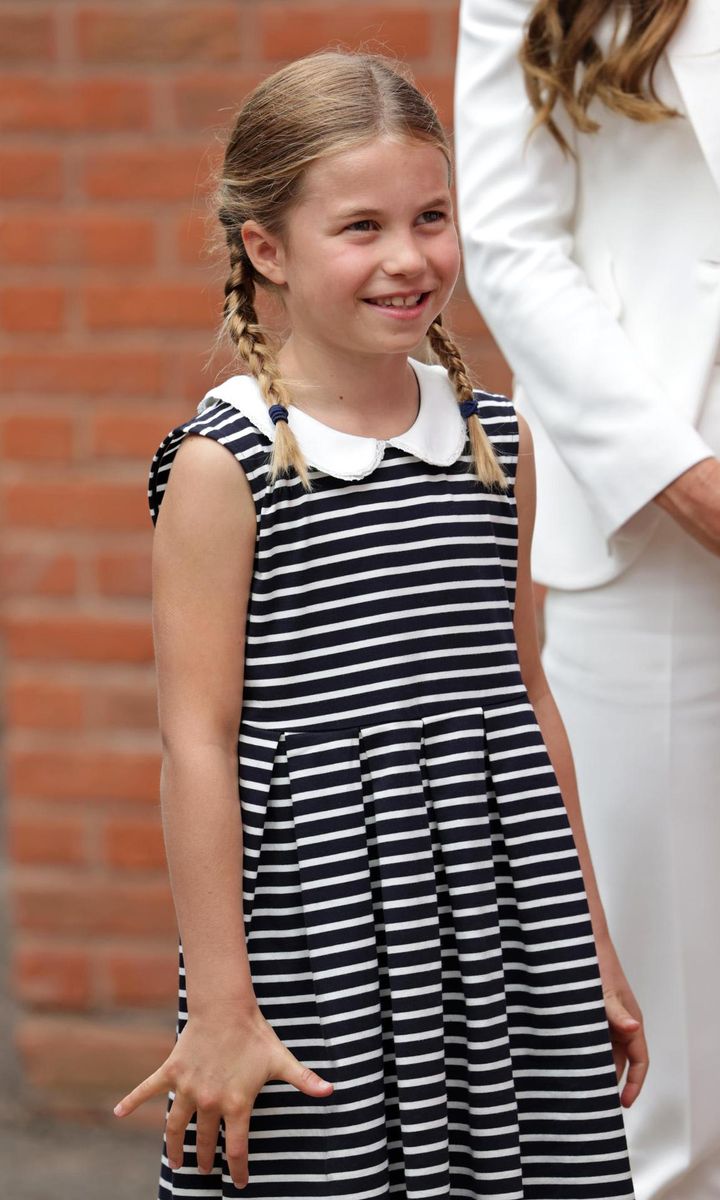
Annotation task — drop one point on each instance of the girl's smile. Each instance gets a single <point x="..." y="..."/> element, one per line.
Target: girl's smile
<point x="401" y="307"/>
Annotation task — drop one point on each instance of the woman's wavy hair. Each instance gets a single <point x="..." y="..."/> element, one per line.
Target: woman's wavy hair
<point x="315" y="107"/>
<point x="563" y="62"/>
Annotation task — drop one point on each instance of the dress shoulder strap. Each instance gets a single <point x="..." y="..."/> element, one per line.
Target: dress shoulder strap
<point x="499" y="419"/>
<point x="224" y="424"/>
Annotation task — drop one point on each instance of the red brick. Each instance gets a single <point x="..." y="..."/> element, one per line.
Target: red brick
<point x="77" y="637"/>
<point x="76" y="239"/>
<point x="44" y="436"/>
<point x="448" y="30"/>
<point x="151" y="305"/>
<point x="88" y="1062"/>
<point x="46" y="841"/>
<point x="193" y="376"/>
<point x="32" y="309"/>
<point x="291" y="32"/>
<point x="122" y="706"/>
<point x="171" y="33"/>
<point x="26" y="37"/>
<point x="38" y="573"/>
<point x="30" y="174"/>
<point x="462" y="317"/>
<point x="86" y="372"/>
<point x="131" y="432"/>
<point x="84" y="774"/>
<point x="203" y="100"/>
<point x="134" y="845"/>
<point x="124" y="573"/>
<point x="43" y="704"/>
<point x="157" y="173"/>
<point x="34" y="104"/>
<point x="439" y="88"/>
<point x="78" y="905"/>
<point x="198" y="239"/>
<point x="48" y="977"/>
<point x="82" y="504"/>
<point x="143" y="980"/>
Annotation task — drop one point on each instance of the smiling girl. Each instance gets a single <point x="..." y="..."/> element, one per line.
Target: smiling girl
<point x="389" y="972"/>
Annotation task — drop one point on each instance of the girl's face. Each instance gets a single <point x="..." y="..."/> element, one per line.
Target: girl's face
<point x="369" y="254"/>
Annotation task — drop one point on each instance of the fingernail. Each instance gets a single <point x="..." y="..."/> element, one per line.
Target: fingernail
<point x="173" y="1164"/>
<point x="118" y="1110"/>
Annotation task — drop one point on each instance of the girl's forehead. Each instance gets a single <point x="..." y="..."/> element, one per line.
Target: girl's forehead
<point x="383" y="165"/>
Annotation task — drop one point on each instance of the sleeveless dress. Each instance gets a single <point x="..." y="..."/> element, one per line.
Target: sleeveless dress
<point x="416" y="921"/>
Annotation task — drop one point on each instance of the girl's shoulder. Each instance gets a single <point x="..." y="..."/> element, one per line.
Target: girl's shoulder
<point x="240" y="427"/>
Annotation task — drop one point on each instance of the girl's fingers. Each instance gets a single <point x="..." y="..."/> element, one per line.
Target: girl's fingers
<point x="636" y="1075"/>
<point x="629" y="1047"/>
<point x="180" y="1113"/>
<point x="206" y="1138"/>
<point x="236" y="1147"/>
<point x="154" y="1085"/>
<point x="305" y="1080"/>
<point x="621" y="1021"/>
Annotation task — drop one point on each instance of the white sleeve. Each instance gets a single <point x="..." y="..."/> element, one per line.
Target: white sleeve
<point x="611" y="422"/>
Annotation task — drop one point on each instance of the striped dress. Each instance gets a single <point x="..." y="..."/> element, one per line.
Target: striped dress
<point x="415" y="916"/>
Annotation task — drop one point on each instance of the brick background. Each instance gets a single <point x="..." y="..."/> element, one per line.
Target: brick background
<point x="109" y="121"/>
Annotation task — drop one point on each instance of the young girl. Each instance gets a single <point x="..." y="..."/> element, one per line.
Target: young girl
<point x="390" y="983"/>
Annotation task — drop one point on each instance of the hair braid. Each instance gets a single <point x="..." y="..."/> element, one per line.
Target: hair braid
<point x="487" y="467"/>
<point x="242" y="325"/>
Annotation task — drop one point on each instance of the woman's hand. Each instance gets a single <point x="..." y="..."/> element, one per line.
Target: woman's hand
<point x="216" y="1069"/>
<point x="693" y="500"/>
<point x="626" y="1025"/>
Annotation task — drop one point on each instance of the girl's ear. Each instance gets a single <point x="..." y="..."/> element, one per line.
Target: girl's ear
<point x="265" y="251"/>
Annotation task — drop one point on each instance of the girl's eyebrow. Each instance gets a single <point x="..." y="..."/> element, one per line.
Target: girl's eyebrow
<point x="354" y="213"/>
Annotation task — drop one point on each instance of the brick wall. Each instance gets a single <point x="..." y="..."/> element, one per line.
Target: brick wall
<point x="109" y="115"/>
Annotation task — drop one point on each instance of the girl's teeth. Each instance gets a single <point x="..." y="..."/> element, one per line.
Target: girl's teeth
<point x="401" y="301"/>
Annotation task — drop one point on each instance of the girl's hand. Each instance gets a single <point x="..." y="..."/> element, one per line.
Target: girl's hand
<point x="216" y="1069"/>
<point x="626" y="1026"/>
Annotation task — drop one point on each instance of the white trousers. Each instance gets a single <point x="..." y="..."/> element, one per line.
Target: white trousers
<point x="635" y="668"/>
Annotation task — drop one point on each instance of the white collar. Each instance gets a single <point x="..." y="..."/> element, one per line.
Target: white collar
<point x="437" y="436"/>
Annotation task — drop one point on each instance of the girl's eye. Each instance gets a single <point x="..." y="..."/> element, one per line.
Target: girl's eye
<point x="362" y="226"/>
<point x="431" y="217"/>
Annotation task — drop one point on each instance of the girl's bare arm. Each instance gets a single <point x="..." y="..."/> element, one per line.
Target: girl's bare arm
<point x="624" y="1015"/>
<point x="202" y="569"/>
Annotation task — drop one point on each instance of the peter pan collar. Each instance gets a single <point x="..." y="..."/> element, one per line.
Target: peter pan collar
<point x="437" y="436"/>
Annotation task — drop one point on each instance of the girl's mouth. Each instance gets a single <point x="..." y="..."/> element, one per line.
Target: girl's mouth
<point x="400" y="307"/>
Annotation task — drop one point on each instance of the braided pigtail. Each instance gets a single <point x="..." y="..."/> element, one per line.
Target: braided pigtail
<point x="487" y="467"/>
<point x="242" y="325"/>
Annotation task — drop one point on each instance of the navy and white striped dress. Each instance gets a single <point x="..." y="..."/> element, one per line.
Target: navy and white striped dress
<point x="414" y="908"/>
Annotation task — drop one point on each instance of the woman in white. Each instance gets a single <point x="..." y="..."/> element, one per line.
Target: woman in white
<point x="593" y="251"/>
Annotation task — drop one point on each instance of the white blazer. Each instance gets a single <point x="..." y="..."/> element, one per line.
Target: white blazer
<point x="599" y="277"/>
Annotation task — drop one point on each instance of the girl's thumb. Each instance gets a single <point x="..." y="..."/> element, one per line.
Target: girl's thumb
<point x="305" y="1080"/>
<point x="618" y="1014"/>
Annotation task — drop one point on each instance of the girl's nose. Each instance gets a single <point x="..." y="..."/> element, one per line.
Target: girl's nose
<point x="404" y="257"/>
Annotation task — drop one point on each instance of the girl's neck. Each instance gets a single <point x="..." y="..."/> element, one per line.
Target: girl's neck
<point x="366" y="396"/>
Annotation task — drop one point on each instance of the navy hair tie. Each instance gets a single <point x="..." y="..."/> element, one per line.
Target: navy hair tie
<point x="468" y="408"/>
<point x="278" y="412"/>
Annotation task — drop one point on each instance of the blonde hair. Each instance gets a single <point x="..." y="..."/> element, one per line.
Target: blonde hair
<point x="317" y="106"/>
<point x="560" y="38"/>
